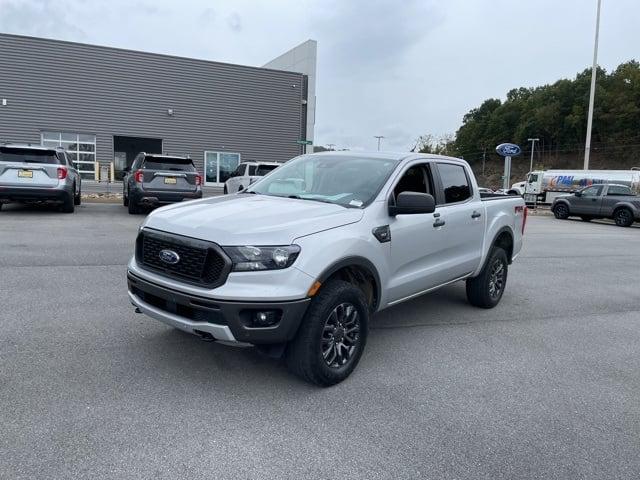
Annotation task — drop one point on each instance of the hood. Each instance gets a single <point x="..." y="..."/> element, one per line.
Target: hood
<point x="250" y="219"/>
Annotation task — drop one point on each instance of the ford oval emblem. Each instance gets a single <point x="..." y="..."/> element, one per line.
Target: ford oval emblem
<point x="508" y="150"/>
<point x="169" y="256"/>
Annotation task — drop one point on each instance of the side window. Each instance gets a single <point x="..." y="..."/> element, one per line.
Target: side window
<point x="252" y="170"/>
<point x="591" y="191"/>
<point x="618" y="190"/>
<point x="455" y="183"/>
<point x="416" y="179"/>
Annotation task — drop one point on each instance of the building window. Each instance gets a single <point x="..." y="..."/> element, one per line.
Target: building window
<point x="219" y="166"/>
<point x="81" y="150"/>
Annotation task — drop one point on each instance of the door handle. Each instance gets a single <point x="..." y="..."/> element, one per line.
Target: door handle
<point x="438" y="223"/>
<point x="476" y="214"/>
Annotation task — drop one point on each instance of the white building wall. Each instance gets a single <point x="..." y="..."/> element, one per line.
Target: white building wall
<point x="302" y="59"/>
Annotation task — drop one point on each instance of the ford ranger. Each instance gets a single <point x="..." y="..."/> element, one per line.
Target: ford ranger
<point x="298" y="262"/>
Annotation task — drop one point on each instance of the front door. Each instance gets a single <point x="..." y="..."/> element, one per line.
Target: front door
<point x="417" y="242"/>
<point x="588" y="203"/>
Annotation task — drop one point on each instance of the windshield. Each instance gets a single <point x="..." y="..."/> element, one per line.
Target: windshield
<point x="346" y="181"/>
<point x="19" y="155"/>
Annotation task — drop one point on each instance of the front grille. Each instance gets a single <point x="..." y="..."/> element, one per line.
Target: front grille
<point x="201" y="263"/>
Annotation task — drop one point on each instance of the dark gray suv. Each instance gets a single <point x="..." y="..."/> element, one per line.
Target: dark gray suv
<point x="156" y="179"/>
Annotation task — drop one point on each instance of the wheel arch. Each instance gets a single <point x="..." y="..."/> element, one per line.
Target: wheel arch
<point x="504" y="238"/>
<point x="361" y="272"/>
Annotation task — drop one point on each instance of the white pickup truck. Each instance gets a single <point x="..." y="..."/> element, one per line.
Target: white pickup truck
<point x="297" y="263"/>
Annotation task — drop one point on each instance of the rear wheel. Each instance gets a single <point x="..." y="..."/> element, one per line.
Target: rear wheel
<point x="561" y="211"/>
<point x="125" y="199"/>
<point x="485" y="290"/>
<point x="77" y="199"/>
<point x="623" y="217"/>
<point x="68" y="206"/>
<point x="133" y="208"/>
<point x="332" y="335"/>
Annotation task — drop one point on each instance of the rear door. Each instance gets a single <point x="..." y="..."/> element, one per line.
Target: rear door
<point x="25" y="167"/>
<point x="169" y="174"/>
<point x="588" y="203"/>
<point x="462" y="214"/>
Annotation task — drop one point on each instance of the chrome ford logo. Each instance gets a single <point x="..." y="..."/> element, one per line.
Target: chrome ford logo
<point x="169" y="256"/>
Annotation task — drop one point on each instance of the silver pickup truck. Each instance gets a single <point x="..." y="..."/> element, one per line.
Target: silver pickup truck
<point x="600" y="201"/>
<point x="298" y="262"/>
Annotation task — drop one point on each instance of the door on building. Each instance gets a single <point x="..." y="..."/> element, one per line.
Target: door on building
<point x="125" y="150"/>
<point x="218" y="166"/>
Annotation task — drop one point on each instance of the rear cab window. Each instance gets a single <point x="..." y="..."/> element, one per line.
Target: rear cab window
<point x="455" y="183"/>
<point x="618" y="190"/>
<point x="169" y="164"/>
<point x="262" y="170"/>
<point x="29" y="155"/>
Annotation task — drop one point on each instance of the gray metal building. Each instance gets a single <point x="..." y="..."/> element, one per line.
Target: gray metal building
<point x="106" y="104"/>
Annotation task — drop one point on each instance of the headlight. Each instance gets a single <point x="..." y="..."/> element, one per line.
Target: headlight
<point x="251" y="259"/>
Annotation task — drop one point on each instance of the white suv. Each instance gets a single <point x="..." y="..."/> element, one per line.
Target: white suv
<point x="246" y="174"/>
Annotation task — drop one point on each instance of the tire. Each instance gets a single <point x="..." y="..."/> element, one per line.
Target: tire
<point x="77" y="199"/>
<point x="485" y="290"/>
<point x="561" y="211"/>
<point x="586" y="219"/>
<point x="125" y="199"/>
<point x="313" y="353"/>
<point x="623" y="217"/>
<point x="68" y="206"/>
<point x="133" y="208"/>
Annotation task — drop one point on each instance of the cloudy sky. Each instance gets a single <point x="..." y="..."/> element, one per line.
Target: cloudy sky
<point x="395" y="68"/>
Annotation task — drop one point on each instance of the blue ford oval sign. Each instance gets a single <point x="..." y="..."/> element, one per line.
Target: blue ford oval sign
<point x="508" y="150"/>
<point x="169" y="256"/>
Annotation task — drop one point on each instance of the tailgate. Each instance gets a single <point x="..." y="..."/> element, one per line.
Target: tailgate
<point x="28" y="175"/>
<point x="170" y="181"/>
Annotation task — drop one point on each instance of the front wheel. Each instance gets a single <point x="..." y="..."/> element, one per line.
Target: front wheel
<point x="485" y="290"/>
<point x="623" y="217"/>
<point x="561" y="211"/>
<point x="332" y="335"/>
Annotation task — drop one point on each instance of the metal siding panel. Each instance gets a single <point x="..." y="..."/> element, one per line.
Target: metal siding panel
<point x="62" y="86"/>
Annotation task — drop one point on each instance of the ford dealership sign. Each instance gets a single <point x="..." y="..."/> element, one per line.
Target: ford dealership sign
<point x="508" y="150"/>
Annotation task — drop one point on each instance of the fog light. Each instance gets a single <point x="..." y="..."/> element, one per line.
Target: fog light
<point x="265" y="318"/>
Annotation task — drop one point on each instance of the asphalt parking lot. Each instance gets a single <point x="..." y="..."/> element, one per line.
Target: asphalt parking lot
<point x="547" y="385"/>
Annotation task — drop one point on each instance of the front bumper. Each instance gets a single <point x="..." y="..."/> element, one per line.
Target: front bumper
<point x="223" y="320"/>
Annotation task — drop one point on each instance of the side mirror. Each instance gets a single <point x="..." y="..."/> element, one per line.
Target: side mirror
<point x="240" y="188"/>
<point x="578" y="194"/>
<point x="409" y="203"/>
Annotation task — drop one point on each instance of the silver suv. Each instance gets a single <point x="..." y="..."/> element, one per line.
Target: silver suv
<point x="35" y="174"/>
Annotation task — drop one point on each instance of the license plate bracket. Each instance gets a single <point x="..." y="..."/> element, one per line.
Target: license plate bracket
<point x="170" y="180"/>
<point x="25" y="173"/>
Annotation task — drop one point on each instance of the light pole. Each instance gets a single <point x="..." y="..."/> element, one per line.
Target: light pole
<point x="592" y="93"/>
<point x="379" y="137"/>
<point x="533" y="146"/>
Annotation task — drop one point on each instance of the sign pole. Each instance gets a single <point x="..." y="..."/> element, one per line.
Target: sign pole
<point x="507" y="173"/>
